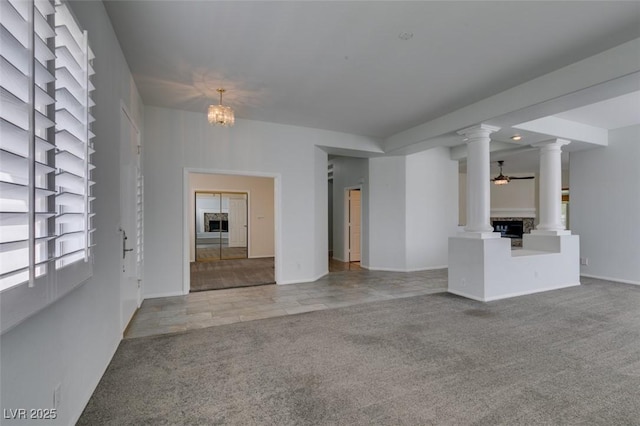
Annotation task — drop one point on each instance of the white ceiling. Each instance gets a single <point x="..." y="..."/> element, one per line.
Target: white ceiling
<point x="342" y="65"/>
<point x="611" y="114"/>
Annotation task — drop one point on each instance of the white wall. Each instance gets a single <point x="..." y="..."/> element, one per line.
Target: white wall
<point x="330" y="212"/>
<point x="413" y="210"/>
<point x="387" y="214"/>
<point x="261" y="212"/>
<point x="605" y="206"/>
<point x="321" y="224"/>
<point x="72" y="341"/>
<point x="349" y="172"/>
<point x="432" y="206"/>
<point x="515" y="199"/>
<point x="179" y="140"/>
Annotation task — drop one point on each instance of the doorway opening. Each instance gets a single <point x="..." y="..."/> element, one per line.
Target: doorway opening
<point x="352" y="233"/>
<point x="230" y="231"/>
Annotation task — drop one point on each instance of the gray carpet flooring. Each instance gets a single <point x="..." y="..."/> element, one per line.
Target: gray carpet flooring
<point x="231" y="273"/>
<point x="569" y="356"/>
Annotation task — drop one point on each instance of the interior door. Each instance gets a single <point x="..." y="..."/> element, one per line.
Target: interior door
<point x="354" y="225"/>
<point x="130" y="219"/>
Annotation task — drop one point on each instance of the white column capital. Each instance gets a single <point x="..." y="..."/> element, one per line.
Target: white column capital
<point x="478" y="131"/>
<point x="552" y="144"/>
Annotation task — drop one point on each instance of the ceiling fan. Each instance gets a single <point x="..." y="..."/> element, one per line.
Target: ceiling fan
<point x="503" y="180"/>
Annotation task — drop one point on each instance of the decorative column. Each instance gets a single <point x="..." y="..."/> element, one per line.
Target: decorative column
<point x="550" y="194"/>
<point x="478" y="181"/>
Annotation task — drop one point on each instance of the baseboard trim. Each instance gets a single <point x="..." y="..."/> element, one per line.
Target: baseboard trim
<point x="340" y="260"/>
<point x="467" y="295"/>
<point x="535" y="291"/>
<point x="303" y="280"/>
<point x="510" y="295"/>
<point x="96" y="381"/>
<point x="617" y="280"/>
<point x="168" y="294"/>
<point x="260" y="257"/>
<point x="430" y="268"/>
<point x="375" y="268"/>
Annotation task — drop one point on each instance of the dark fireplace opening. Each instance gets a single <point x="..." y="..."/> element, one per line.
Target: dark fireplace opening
<point x="508" y="228"/>
<point x="218" y="225"/>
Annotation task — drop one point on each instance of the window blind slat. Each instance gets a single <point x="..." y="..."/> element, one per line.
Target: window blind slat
<point x="66" y="120"/>
<point x="15" y="168"/>
<point x="70" y="217"/>
<point x="71" y="163"/>
<point x="42" y="27"/>
<point x="17" y="191"/>
<point x="14" y="21"/>
<point x="42" y="52"/>
<point x="67" y="142"/>
<point x="65" y="100"/>
<point x="13" y="51"/>
<point x="71" y="182"/>
<point x="45" y="7"/>
<point x="14" y="139"/>
<point x="43" y="76"/>
<point x="70" y="199"/>
<point x="14" y="81"/>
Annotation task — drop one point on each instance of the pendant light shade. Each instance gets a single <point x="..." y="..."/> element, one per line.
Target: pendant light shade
<point x="220" y="115"/>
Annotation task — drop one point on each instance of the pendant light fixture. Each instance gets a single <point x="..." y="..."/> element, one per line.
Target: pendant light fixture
<point x="220" y="115"/>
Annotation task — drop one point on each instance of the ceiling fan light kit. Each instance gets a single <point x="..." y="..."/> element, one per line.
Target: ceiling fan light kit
<point x="503" y="180"/>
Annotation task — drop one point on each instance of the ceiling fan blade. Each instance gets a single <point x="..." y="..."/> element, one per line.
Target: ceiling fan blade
<point x="523" y="177"/>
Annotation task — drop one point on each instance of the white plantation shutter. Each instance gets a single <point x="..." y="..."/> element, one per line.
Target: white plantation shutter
<point x="26" y="163"/>
<point x="45" y="156"/>
<point x="73" y="140"/>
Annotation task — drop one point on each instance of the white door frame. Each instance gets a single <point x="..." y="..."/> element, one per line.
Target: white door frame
<point x="186" y="219"/>
<point x="346" y="221"/>
<point x="133" y="243"/>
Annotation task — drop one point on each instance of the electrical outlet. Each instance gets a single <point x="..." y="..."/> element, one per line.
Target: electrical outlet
<point x="57" y="395"/>
<point x="584" y="261"/>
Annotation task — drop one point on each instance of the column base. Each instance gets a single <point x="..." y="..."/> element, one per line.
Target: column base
<point x="557" y="232"/>
<point x="479" y="235"/>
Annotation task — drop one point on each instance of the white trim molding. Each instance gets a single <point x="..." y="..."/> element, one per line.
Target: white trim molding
<point x="617" y="280"/>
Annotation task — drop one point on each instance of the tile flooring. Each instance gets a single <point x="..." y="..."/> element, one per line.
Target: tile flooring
<point x="346" y="287"/>
<point x="234" y="273"/>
